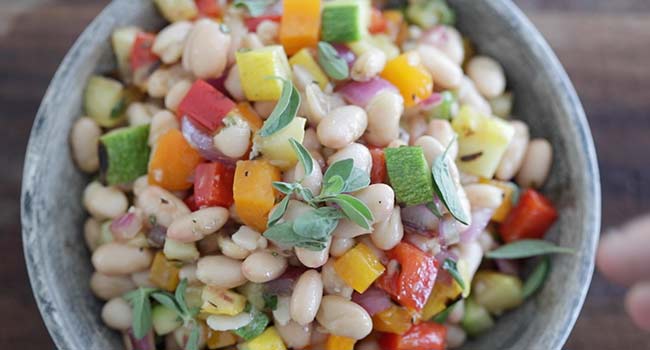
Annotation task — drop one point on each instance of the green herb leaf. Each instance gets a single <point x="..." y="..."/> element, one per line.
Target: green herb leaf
<point x="285" y="110"/>
<point x="167" y="300"/>
<point x="270" y="301"/>
<point x="354" y="209"/>
<point x="333" y="64"/>
<point x="179" y="294"/>
<point x="193" y="340"/>
<point x="445" y="187"/>
<point x="317" y="224"/>
<point x="255" y="7"/>
<point x="537" y="277"/>
<point x="342" y="168"/>
<point x="279" y="211"/>
<point x="284" y="187"/>
<point x="358" y="179"/>
<point x="255" y="327"/>
<point x="303" y="156"/>
<point x="527" y="248"/>
<point x="283" y="234"/>
<point x="141" y="321"/>
<point x="334" y="186"/>
<point x="306" y="195"/>
<point x="450" y="266"/>
<point x="433" y="207"/>
<point x="136" y="293"/>
<point x="118" y="110"/>
<point x="442" y="316"/>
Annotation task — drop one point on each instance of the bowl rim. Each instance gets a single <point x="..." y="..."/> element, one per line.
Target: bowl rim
<point x="47" y="302"/>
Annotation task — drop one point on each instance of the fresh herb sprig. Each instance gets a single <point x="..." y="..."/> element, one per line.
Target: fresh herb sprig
<point x="527" y="248"/>
<point x="255" y="7"/>
<point x="333" y="64"/>
<point x="142" y="321"/>
<point x="285" y="110"/>
<point x="445" y="187"/>
<point x="450" y="266"/>
<point x="536" y="278"/>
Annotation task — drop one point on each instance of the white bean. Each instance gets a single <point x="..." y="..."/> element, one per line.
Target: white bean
<point x="341" y="245"/>
<point x="301" y="79"/>
<point x="359" y="154"/>
<point x="468" y="94"/>
<point x="204" y="53"/>
<point x="92" y="234"/>
<point x="332" y="282"/>
<point x="176" y="94"/>
<point x="312" y="182"/>
<point x="537" y="164"/>
<point x="263" y="266"/>
<point x="294" y="335"/>
<point x="384" y="112"/>
<point x="368" y="65"/>
<point x="120" y="259"/>
<point x="456" y="336"/>
<point x="268" y="31"/>
<point x="233" y="140"/>
<point x="233" y="84"/>
<point x="230" y="248"/>
<point x="226" y="323"/>
<point x="431" y="148"/>
<point x="388" y="233"/>
<point x="442" y="131"/>
<point x="344" y="318"/>
<point x="251" y="41"/>
<point x="220" y="271"/>
<point x="319" y="104"/>
<point x="457" y="313"/>
<point x="138" y="114"/>
<point x="417" y="126"/>
<point x="116" y="313"/>
<point x="170" y="41"/>
<point x="380" y="199"/>
<point x="488" y="76"/>
<point x="249" y="239"/>
<point x="314" y="258"/>
<point x="281" y="314"/>
<point x="306" y="297"/>
<point x="310" y="141"/>
<point x="104" y="202"/>
<point x="444" y="71"/>
<point x="453" y="47"/>
<point x="161" y="204"/>
<point x="194" y="226"/>
<point x="237" y="32"/>
<point x="84" y="139"/>
<point x="157" y="86"/>
<point x="346" y="228"/>
<point x="188" y="272"/>
<point x="161" y="123"/>
<point x="107" y="287"/>
<point x="342" y="126"/>
<point x="484" y="196"/>
<point x="472" y="254"/>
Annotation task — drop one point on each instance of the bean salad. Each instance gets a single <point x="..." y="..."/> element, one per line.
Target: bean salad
<point x="308" y="174"/>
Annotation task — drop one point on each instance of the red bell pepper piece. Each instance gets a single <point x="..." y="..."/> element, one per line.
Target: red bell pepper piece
<point x="141" y="54"/>
<point x="423" y="336"/>
<point x="191" y="203"/>
<point x="530" y="219"/>
<point x="378" y="173"/>
<point x="252" y="22"/>
<point x="412" y="285"/>
<point x="213" y="185"/>
<point x="208" y="8"/>
<point x="205" y="106"/>
<point x="377" y="22"/>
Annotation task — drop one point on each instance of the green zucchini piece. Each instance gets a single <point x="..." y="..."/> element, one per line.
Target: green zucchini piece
<point x="409" y="175"/>
<point x="476" y="319"/>
<point x="496" y="291"/>
<point x="164" y="319"/>
<point x="255" y="327"/>
<point x="344" y="21"/>
<point x="124" y="154"/>
<point x="104" y="101"/>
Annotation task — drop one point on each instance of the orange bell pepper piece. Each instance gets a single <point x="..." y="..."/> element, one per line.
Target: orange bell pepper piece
<point x="410" y="77"/>
<point x="253" y="191"/>
<point x="300" y="25"/>
<point x="164" y="273"/>
<point x="336" y="342"/>
<point x="173" y="162"/>
<point x="395" y="320"/>
<point x="249" y="115"/>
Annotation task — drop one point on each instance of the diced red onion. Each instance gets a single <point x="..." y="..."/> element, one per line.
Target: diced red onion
<point x="373" y="300"/>
<point x="146" y="343"/>
<point x="480" y="220"/>
<point x="361" y="93"/>
<point x="507" y="266"/>
<point x="283" y="285"/>
<point x="449" y="230"/>
<point x="436" y="36"/>
<point x="126" y="226"/>
<point x="420" y="218"/>
<point x="431" y="101"/>
<point x="156" y="236"/>
<point x="202" y="141"/>
<point x="346" y="54"/>
<point x="424" y="243"/>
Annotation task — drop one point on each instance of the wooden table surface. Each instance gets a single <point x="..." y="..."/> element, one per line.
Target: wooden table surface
<point x="603" y="44"/>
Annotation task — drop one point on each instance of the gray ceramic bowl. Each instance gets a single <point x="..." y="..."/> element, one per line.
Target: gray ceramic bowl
<point x="52" y="215"/>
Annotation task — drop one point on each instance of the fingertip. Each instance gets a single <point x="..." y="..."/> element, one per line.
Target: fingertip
<point x="637" y="305"/>
<point x="609" y="258"/>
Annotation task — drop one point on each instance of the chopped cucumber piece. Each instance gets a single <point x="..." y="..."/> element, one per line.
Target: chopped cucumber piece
<point x="104" y="101"/>
<point x="254" y="293"/>
<point x="165" y="320"/>
<point x="175" y="250"/>
<point x="255" y="327"/>
<point x="124" y="154"/>
<point x="409" y="175"/>
<point x="344" y="21"/>
<point x="476" y="319"/>
<point x="496" y="291"/>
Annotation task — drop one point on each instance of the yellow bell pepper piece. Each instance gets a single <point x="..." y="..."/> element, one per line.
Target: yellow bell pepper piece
<point x="336" y="342"/>
<point x="257" y="69"/>
<point x="441" y="296"/>
<point x="222" y="302"/>
<point x="359" y="267"/>
<point x="253" y="191"/>
<point x="277" y="149"/>
<point x="508" y="189"/>
<point x="395" y="319"/>
<point x="218" y="339"/>
<point x="304" y="59"/>
<point x="164" y="273"/>
<point x="177" y="10"/>
<point x="300" y="25"/>
<point x="269" y="340"/>
<point x="412" y="80"/>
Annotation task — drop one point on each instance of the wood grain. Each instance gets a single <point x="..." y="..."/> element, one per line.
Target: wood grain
<point x="604" y="45"/>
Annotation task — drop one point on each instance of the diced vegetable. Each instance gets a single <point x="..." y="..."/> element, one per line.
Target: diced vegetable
<point x="164" y="319"/>
<point x="220" y="339"/>
<point x="164" y="273"/>
<point x="443" y="295"/>
<point x="104" y="101"/>
<point x="269" y="340"/>
<point x="175" y="250"/>
<point x="378" y="172"/>
<point x="254" y="193"/>
<point x="530" y="219"/>
<point x="277" y="149"/>
<point x="122" y="40"/>
<point x="142" y="58"/>
<point x="304" y="59"/>
<point x="222" y="302"/>
<point x="395" y="320"/>
<point x="497" y="292"/>
<point x="173" y="161"/>
<point x="359" y="267"/>
<point x="476" y="319"/>
<point x="257" y="69"/>
<point x="250" y="116"/>
<point x="345" y="21"/>
<point x="423" y="336"/>
<point x="429" y="13"/>
<point x="361" y="93"/>
<point x="254" y="293"/>
<point x="482" y="141"/>
<point x="205" y="106"/>
<point x="300" y="24"/>
<point x="337" y="342"/>
<point x="193" y="296"/>
<point x="409" y="175"/>
<point x="208" y="8"/>
<point x="377" y="21"/>
<point x="123" y="154"/>
<point x="410" y="77"/>
<point x="255" y="328"/>
<point x="177" y="10"/>
<point x="213" y="185"/>
<point x="413" y="283"/>
<point x="509" y="190"/>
